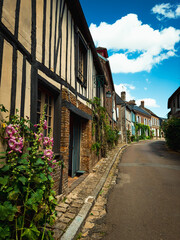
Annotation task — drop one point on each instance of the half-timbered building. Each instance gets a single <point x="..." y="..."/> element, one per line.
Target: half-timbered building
<point x="47" y="56"/>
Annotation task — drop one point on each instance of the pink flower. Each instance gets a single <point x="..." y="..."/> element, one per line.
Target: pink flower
<point x="10" y="130"/>
<point x="48" y="153"/>
<point x="40" y="137"/>
<point x="18" y="147"/>
<point x="35" y="125"/>
<point x="12" y="143"/>
<point x="46" y="141"/>
<point x="45" y="125"/>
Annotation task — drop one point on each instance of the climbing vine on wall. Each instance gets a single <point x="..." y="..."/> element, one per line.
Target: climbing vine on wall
<point x="105" y="136"/>
<point x="143" y="128"/>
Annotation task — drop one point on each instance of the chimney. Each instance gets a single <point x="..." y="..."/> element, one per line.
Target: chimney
<point x="132" y="102"/>
<point x="142" y="104"/>
<point x="123" y="96"/>
<point x="102" y="51"/>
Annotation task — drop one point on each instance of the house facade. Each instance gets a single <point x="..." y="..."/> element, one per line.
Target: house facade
<point x="141" y="116"/>
<point x="174" y="104"/>
<point x="125" y="117"/>
<point x="155" y="121"/>
<point x="47" y="56"/>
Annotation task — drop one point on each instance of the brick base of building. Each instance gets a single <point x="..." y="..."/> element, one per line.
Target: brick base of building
<point x="87" y="158"/>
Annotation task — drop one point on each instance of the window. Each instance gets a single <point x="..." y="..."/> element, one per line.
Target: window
<point x="45" y="98"/>
<point x="81" y="60"/>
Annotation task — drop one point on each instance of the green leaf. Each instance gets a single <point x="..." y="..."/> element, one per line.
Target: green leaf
<point x="22" y="167"/>
<point x="5" y="168"/>
<point x="43" y="177"/>
<point x="9" y="189"/>
<point x="2" y="157"/>
<point x="13" y="195"/>
<point x="4" y="232"/>
<point x="39" y="162"/>
<point x="50" y="169"/>
<point x="50" y="177"/>
<point x="23" y="161"/>
<point x="35" y="198"/>
<point x="39" y="216"/>
<point x="31" y="233"/>
<point x="51" y="198"/>
<point x="23" y="179"/>
<point x="29" y="149"/>
<point x="25" y="155"/>
<point x="7" y="211"/>
<point x="4" y="180"/>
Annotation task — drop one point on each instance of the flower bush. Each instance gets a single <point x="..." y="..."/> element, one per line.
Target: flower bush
<point x="27" y="200"/>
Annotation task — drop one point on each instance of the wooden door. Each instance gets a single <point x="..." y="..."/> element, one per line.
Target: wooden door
<point x="75" y="136"/>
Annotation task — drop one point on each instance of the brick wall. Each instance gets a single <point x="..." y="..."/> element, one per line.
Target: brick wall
<point x="87" y="158"/>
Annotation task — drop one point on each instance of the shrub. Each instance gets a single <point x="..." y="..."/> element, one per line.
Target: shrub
<point x="171" y="130"/>
<point x="27" y="201"/>
<point x="128" y="136"/>
<point x="132" y="138"/>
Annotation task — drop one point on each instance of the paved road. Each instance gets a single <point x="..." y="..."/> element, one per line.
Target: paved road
<point x="145" y="203"/>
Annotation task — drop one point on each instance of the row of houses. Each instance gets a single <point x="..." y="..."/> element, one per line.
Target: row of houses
<point x="129" y="115"/>
<point x="47" y="56"/>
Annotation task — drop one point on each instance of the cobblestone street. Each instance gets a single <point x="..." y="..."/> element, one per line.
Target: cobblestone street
<point x="70" y="205"/>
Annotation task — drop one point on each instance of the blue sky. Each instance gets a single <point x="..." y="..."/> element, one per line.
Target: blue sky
<point x="143" y="42"/>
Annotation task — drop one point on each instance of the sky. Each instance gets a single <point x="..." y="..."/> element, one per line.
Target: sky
<point x="143" y="42"/>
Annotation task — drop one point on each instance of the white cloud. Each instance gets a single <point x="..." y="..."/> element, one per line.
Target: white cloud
<point x="148" y="102"/>
<point x="149" y="47"/>
<point x="124" y="87"/>
<point x="166" y="10"/>
<point x="145" y="88"/>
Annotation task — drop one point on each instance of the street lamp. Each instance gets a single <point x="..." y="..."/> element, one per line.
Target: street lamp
<point x="108" y="94"/>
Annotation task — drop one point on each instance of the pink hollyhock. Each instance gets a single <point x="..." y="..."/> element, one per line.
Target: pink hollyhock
<point x="10" y="130"/>
<point x="48" y="153"/>
<point x="45" y="125"/>
<point x="46" y="141"/>
<point x="18" y="147"/>
<point x="12" y="143"/>
<point x="52" y="141"/>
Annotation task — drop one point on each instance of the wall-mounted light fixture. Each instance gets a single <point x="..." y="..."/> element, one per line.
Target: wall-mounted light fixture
<point x="108" y="94"/>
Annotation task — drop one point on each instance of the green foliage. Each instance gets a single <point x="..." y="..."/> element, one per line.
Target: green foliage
<point x="133" y="138"/>
<point x="105" y="136"/>
<point x="171" y="130"/>
<point x="128" y="136"/>
<point x="144" y="129"/>
<point x="27" y="201"/>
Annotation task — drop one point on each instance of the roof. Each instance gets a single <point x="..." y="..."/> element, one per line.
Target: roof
<point x="172" y="96"/>
<point x="140" y="110"/>
<point x="80" y="20"/>
<point x="109" y="69"/>
<point x="149" y="111"/>
<point x="119" y="101"/>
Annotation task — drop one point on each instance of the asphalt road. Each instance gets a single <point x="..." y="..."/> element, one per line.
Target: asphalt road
<point x="145" y="202"/>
